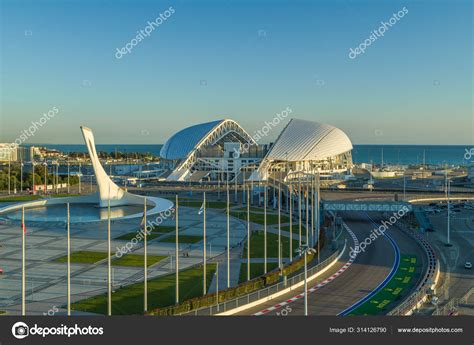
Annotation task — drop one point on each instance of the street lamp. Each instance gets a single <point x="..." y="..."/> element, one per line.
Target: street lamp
<point x="45" y="177"/>
<point x="305" y="250"/>
<point x="68" y="188"/>
<point x="33" y="165"/>
<point x="448" y="243"/>
<point x="57" y="177"/>
<point x="9" y="171"/>
<point x="21" y="177"/>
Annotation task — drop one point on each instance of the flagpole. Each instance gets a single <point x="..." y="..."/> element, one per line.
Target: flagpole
<point x="265" y="229"/>
<point x="23" y="277"/>
<point x="290" y="193"/>
<point x="204" y="247"/>
<point x="318" y="221"/>
<point x="109" y="286"/>
<point x="68" y="261"/>
<point x="279" y="228"/>
<point x="228" y="238"/>
<point x="312" y="210"/>
<point x="307" y="213"/>
<point x="299" y="205"/>
<point x="177" y="249"/>
<point x="145" y="261"/>
<point x="248" y="234"/>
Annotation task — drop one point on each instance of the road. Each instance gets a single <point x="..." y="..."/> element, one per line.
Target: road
<point x="369" y="269"/>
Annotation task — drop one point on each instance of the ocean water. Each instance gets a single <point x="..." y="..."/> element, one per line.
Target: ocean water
<point x="412" y="154"/>
<point x="392" y="154"/>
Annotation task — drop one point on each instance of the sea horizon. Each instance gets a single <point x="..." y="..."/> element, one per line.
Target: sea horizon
<point x="395" y="154"/>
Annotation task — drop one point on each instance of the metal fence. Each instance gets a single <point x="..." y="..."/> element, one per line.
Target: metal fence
<point x="265" y="292"/>
<point x="453" y="304"/>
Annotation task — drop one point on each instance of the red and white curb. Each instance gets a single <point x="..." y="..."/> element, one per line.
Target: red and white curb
<point x="319" y="285"/>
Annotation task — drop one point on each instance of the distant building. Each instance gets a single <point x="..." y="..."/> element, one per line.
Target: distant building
<point x="13" y="153"/>
<point x="222" y="150"/>
<point x="8" y="153"/>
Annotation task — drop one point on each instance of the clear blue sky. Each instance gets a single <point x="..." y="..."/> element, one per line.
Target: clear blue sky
<point x="412" y="86"/>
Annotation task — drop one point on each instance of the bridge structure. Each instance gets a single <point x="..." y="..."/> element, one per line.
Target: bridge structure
<point x="366" y="206"/>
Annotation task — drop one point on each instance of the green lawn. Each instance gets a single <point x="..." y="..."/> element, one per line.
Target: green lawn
<point x="256" y="270"/>
<point x="161" y="293"/>
<point x="259" y="217"/>
<point x="132" y="235"/>
<point x="163" y="229"/>
<point x="21" y="198"/>
<point x="253" y="209"/>
<point x="137" y="260"/>
<point x="86" y="257"/>
<point x="257" y="245"/>
<point x="155" y="232"/>
<point x="296" y="229"/>
<point x="182" y="239"/>
<point x="394" y="291"/>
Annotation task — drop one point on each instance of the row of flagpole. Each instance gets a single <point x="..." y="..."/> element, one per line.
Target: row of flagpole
<point x="315" y="196"/>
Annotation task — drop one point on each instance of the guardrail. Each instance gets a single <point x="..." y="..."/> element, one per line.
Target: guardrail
<point x="267" y="293"/>
<point x="428" y="281"/>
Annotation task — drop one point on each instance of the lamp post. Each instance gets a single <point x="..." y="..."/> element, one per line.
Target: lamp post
<point x="280" y="264"/>
<point x="9" y="171"/>
<point x="228" y="237"/>
<point x="248" y="235"/>
<point x="217" y="285"/>
<point x="79" y="176"/>
<point x="68" y="184"/>
<point x="290" y="191"/>
<point x="265" y="197"/>
<point x="33" y="165"/>
<point x="305" y="250"/>
<point x="21" y="177"/>
<point x="45" y="177"/>
<point x="57" y="177"/>
<point x="448" y="243"/>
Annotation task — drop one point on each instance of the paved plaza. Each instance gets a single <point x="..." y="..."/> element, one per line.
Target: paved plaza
<point x="46" y="279"/>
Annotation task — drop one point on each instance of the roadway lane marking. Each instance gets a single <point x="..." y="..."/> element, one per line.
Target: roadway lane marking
<point x="319" y="285"/>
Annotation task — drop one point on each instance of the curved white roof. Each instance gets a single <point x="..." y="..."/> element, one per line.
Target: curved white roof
<point x="303" y="140"/>
<point x="180" y="144"/>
